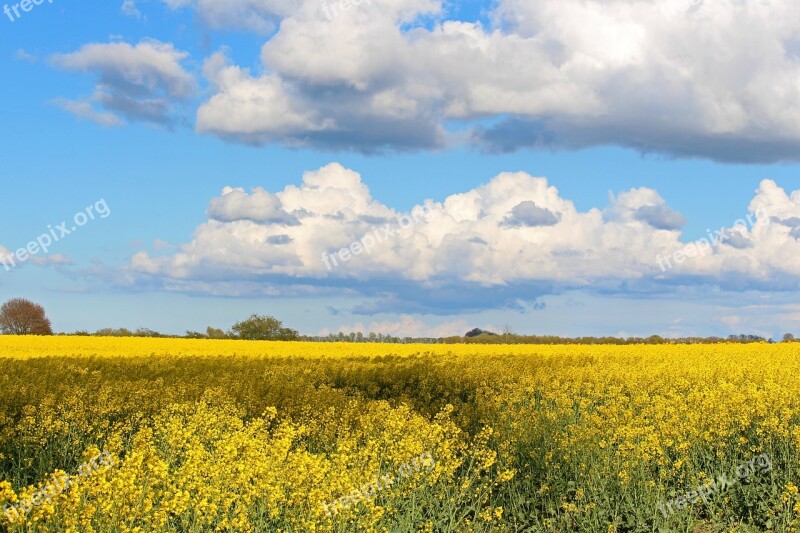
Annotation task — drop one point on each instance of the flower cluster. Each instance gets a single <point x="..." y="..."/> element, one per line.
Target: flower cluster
<point x="59" y="483"/>
<point x="368" y="491"/>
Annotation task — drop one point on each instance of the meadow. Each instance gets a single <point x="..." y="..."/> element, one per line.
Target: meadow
<point x="135" y="435"/>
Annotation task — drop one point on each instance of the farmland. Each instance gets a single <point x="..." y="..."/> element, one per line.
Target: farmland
<point x="202" y="435"/>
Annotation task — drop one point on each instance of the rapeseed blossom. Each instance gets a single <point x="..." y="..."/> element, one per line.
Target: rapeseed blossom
<point x="258" y="436"/>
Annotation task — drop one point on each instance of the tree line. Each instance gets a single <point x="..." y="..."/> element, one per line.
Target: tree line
<point x="23" y="317"/>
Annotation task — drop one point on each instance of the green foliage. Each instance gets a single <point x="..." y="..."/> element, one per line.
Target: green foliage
<point x="477" y="332"/>
<point x="263" y="328"/>
<point x="215" y="333"/>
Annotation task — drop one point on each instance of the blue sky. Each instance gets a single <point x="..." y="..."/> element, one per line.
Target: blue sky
<point x="156" y="107"/>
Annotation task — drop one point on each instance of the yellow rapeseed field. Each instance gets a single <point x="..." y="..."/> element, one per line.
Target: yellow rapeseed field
<point x="112" y="434"/>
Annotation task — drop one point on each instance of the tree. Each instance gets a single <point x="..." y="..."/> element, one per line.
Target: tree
<point x="477" y="332"/>
<point x="263" y="328"/>
<point x="23" y="317"/>
<point x="215" y="333"/>
<point x="788" y="337"/>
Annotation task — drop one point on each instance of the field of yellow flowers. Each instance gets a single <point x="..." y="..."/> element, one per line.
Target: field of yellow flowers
<point x="109" y="434"/>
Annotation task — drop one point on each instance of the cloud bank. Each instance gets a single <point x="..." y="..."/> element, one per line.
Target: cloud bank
<point x="498" y="246"/>
<point x="685" y="78"/>
<point x="688" y="78"/>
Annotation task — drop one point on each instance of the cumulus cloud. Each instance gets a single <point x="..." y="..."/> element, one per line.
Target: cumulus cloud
<point x="699" y="79"/>
<point x="737" y="239"/>
<point x="793" y="223"/>
<point x="279" y="239"/>
<point x="253" y="110"/>
<point x="660" y="217"/>
<point x="260" y="206"/>
<point x="463" y="253"/>
<point x="529" y="214"/>
<point x="139" y="82"/>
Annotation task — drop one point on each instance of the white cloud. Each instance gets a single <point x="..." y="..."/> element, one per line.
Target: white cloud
<point x="527" y="213"/>
<point x="84" y="111"/>
<point x="238" y="109"/>
<point x="260" y="206"/>
<point x="51" y="260"/>
<point x="140" y="82"/>
<point x="129" y="8"/>
<point x="709" y="79"/>
<point x="8" y="263"/>
<point x="259" y="16"/>
<point x="463" y="251"/>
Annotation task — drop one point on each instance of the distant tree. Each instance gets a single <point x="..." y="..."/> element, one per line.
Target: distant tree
<point x="263" y="328"/>
<point x="746" y="338"/>
<point x="215" y="333"/>
<point x="147" y="332"/>
<point x="478" y="332"/>
<point x="788" y="337"/>
<point x="23" y="317"/>
<point x="113" y="332"/>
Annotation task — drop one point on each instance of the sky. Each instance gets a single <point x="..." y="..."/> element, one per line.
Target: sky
<point x="410" y="167"/>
